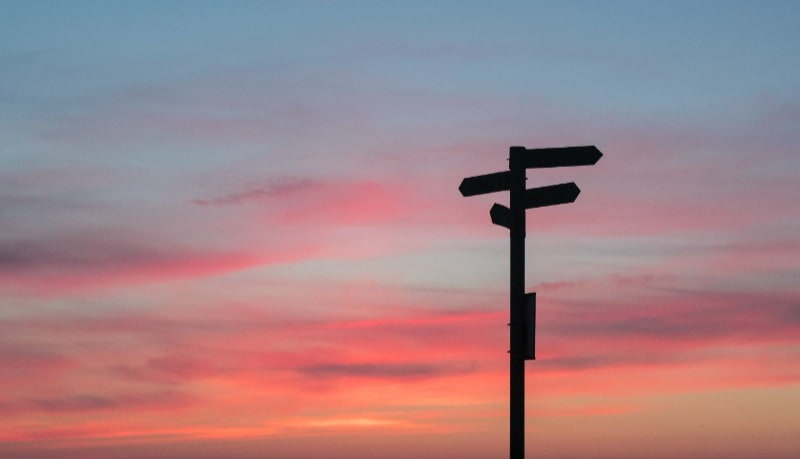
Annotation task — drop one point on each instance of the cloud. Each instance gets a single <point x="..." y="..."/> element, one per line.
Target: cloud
<point x="298" y="202"/>
<point x="98" y="402"/>
<point x="233" y="358"/>
<point x="275" y="188"/>
<point x="75" y="403"/>
<point x="28" y="364"/>
<point x="90" y="261"/>
<point x="382" y="370"/>
<point x="161" y="400"/>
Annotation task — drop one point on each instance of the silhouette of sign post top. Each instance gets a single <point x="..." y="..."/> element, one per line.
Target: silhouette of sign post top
<point x="522" y="305"/>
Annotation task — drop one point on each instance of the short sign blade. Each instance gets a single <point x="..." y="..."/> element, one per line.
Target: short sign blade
<point x="563" y="193"/>
<point x="557" y="157"/>
<point x="489" y="183"/>
<point x="501" y="215"/>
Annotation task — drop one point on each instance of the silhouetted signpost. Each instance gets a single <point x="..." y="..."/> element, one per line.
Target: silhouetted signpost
<point x="523" y="306"/>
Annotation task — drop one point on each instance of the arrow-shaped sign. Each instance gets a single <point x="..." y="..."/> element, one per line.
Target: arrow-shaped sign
<point x="501" y="215"/>
<point x="556" y="157"/>
<point x="551" y="195"/>
<point x="488" y="183"/>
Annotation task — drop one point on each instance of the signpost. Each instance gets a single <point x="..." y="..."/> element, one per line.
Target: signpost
<point x="522" y="306"/>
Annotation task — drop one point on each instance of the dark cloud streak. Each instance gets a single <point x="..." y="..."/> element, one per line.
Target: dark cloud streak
<point x="384" y="370"/>
<point x="275" y="188"/>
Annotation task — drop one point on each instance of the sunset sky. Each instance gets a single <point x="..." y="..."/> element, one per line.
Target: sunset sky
<point x="233" y="229"/>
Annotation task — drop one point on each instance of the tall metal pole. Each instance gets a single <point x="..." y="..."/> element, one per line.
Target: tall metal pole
<point x="517" y="303"/>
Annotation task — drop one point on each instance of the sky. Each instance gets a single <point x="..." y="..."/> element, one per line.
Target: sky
<point x="233" y="229"/>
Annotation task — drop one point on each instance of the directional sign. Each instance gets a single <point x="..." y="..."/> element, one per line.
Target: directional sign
<point x="563" y="193"/>
<point x="501" y="215"/>
<point x="556" y="157"/>
<point x="488" y="183"/>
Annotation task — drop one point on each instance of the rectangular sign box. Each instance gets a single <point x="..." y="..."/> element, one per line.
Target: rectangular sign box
<point x="530" y="326"/>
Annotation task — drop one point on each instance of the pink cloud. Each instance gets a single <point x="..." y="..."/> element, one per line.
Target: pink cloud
<point x="73" y="264"/>
<point x="25" y="365"/>
<point x="86" y="403"/>
<point x="665" y="332"/>
<point x="264" y="359"/>
<point x="300" y="202"/>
